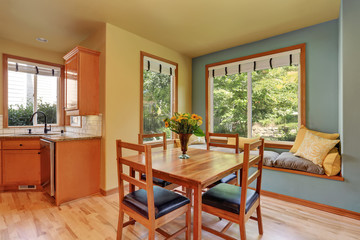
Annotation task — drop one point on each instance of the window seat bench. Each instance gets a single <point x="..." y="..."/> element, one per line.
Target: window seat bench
<point x="285" y="162"/>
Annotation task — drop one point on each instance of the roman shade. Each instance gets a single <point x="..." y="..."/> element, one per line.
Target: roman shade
<point x="289" y="58"/>
<point x="158" y="66"/>
<point x="32" y="68"/>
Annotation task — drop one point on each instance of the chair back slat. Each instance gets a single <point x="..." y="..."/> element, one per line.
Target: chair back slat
<point x="210" y="142"/>
<point x="163" y="143"/>
<point x="254" y="176"/>
<point x="254" y="161"/>
<point x="245" y="180"/>
<point x="144" y="151"/>
<point x="133" y="181"/>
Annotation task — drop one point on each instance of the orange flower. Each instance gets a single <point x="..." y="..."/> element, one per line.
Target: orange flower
<point x="194" y="116"/>
<point x="166" y="124"/>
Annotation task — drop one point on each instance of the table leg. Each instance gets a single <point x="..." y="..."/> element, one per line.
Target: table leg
<point x="197" y="213"/>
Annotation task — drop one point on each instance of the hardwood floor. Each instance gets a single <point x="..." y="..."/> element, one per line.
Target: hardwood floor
<point x="32" y="215"/>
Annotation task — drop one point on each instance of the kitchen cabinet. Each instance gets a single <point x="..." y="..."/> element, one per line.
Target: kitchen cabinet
<point x="82" y="82"/>
<point x="21" y="162"/>
<point x="77" y="169"/>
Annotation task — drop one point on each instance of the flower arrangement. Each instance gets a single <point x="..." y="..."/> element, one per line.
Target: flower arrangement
<point x="185" y="123"/>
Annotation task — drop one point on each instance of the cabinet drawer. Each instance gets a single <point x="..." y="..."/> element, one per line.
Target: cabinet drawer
<point x="21" y="144"/>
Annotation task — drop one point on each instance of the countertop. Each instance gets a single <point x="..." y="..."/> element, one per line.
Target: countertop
<point x="53" y="136"/>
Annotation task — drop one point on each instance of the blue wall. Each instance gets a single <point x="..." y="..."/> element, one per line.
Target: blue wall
<point x="322" y="108"/>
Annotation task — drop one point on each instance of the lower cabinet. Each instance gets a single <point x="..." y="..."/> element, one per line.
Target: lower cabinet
<point x="20" y="161"/>
<point x="21" y="167"/>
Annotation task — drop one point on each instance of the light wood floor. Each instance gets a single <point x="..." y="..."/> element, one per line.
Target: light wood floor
<point x="31" y="215"/>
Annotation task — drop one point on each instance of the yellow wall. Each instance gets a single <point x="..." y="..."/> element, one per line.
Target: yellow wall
<point x="123" y="89"/>
<point x="96" y="41"/>
<point x="21" y="50"/>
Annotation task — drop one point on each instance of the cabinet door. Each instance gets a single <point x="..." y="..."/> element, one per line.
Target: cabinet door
<point x="71" y="79"/>
<point x="21" y="167"/>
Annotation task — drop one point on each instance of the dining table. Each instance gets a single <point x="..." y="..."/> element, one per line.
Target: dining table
<point x="203" y="168"/>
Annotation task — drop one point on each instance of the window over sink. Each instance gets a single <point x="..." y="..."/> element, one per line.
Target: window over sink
<point x="31" y="86"/>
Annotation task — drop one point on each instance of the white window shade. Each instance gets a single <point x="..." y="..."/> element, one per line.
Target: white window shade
<point x="31" y="68"/>
<point x="290" y="58"/>
<point x="158" y="66"/>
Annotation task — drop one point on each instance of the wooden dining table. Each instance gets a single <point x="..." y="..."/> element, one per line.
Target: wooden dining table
<point x="203" y="168"/>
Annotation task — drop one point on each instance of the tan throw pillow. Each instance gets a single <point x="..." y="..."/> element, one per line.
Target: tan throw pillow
<point x="242" y="141"/>
<point x="301" y="134"/>
<point x="332" y="162"/>
<point x="315" y="148"/>
<point x="196" y="140"/>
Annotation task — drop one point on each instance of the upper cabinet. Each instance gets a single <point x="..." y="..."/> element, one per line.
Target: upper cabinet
<point x="82" y="82"/>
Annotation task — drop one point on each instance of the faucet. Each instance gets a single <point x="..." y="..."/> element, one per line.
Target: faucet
<point x="45" y="128"/>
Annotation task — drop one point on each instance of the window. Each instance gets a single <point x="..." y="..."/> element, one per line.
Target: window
<point x="31" y="86"/>
<point x="258" y="95"/>
<point x="158" y="93"/>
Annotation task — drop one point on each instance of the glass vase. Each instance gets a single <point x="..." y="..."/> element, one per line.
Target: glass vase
<point x="184" y="140"/>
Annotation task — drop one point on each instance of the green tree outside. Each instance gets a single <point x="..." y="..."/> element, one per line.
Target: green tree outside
<point x="274" y="102"/>
<point x="156" y="102"/>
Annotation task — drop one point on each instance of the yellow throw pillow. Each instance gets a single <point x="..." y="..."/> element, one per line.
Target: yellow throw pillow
<point x="332" y="162"/>
<point x="242" y="141"/>
<point x="301" y="134"/>
<point x="315" y="148"/>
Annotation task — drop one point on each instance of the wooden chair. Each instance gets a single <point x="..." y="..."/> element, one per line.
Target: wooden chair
<point x="152" y="206"/>
<point x="156" y="181"/>
<point x="235" y="203"/>
<point x="234" y="177"/>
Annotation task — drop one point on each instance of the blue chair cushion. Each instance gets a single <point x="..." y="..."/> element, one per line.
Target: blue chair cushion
<point x="227" y="179"/>
<point x="157" y="181"/>
<point x="165" y="200"/>
<point x="227" y="197"/>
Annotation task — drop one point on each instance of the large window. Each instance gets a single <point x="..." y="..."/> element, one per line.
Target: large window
<point x="31" y="86"/>
<point x="258" y="95"/>
<point x="158" y="93"/>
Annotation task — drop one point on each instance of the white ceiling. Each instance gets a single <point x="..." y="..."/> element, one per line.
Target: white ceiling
<point x="191" y="27"/>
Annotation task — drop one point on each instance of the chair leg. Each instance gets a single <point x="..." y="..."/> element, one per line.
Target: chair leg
<point x="242" y="230"/>
<point x="120" y="225"/>
<point x="259" y="220"/>
<point x="188" y="223"/>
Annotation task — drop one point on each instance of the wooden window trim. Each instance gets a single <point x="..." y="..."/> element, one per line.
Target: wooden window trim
<point x="302" y="96"/>
<point x="175" y="86"/>
<point x="335" y="178"/>
<point x="5" y="88"/>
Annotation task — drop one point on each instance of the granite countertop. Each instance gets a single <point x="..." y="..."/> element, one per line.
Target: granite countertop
<point x="53" y="136"/>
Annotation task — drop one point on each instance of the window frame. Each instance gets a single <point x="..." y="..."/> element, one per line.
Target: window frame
<point x="5" y="89"/>
<point x="302" y="84"/>
<point x="174" y="99"/>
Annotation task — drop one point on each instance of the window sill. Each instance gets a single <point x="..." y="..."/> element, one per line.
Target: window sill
<point x="335" y="178"/>
<point x="279" y="144"/>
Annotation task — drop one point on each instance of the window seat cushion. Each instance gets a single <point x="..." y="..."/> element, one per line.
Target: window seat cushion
<point x="269" y="156"/>
<point x="289" y="161"/>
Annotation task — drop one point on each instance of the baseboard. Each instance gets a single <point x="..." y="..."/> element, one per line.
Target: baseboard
<point x="109" y="192"/>
<point x="315" y="205"/>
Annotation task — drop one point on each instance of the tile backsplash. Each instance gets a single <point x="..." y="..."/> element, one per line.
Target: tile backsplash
<point x="90" y="125"/>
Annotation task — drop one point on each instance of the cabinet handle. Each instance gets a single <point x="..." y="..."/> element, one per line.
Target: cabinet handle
<point x="38" y="152"/>
<point x="20" y="145"/>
